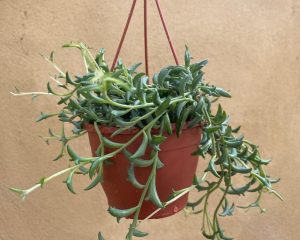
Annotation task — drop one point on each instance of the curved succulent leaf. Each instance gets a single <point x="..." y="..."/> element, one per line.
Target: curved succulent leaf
<point x="98" y="179"/>
<point x="165" y="104"/>
<point x="111" y="144"/>
<point x="167" y="124"/>
<point x="100" y="237"/>
<point x="153" y="196"/>
<point x="138" y="233"/>
<point x="142" y="148"/>
<point x="120" y="213"/>
<point x="69" y="181"/>
<point x="132" y="179"/>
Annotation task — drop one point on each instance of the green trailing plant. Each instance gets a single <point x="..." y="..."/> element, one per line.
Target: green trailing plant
<point x="124" y="98"/>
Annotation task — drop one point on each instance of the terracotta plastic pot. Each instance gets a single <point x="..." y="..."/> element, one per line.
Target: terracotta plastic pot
<point x="177" y="173"/>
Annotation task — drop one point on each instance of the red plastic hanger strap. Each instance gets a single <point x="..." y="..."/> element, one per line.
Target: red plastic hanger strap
<point x="167" y="32"/>
<point x="146" y="38"/>
<point x="123" y="35"/>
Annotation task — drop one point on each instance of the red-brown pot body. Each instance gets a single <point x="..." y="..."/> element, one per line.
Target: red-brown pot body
<point x="177" y="173"/>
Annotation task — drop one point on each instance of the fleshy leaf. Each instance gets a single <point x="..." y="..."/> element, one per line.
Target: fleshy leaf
<point x="138" y="233"/>
<point x="142" y="148"/>
<point x="165" y="104"/>
<point x="120" y="213"/>
<point x="69" y="182"/>
<point x="153" y="196"/>
<point x="132" y="179"/>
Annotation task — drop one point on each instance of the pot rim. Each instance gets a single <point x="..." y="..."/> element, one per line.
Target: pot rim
<point x="110" y="130"/>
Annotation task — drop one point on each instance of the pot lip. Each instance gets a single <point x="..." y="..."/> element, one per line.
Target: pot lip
<point x="89" y="127"/>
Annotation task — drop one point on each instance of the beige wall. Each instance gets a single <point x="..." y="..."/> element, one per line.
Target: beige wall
<point x="254" y="49"/>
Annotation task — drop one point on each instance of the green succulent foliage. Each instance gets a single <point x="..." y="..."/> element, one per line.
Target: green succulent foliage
<point x="100" y="236"/>
<point x="125" y="98"/>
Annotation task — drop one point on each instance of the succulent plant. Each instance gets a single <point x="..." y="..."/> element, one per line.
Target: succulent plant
<point x="126" y="98"/>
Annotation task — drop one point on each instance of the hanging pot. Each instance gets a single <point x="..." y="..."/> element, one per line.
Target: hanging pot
<point x="177" y="173"/>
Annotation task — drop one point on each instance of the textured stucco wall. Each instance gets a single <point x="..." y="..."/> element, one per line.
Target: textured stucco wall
<point x="254" y="49"/>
